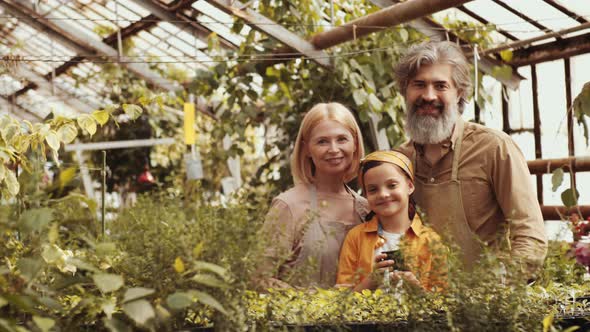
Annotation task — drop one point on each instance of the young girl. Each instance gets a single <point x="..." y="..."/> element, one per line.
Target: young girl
<point x="387" y="179"/>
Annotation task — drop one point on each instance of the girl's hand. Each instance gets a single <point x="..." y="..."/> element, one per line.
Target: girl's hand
<point x="381" y="262"/>
<point x="406" y="276"/>
<point x="373" y="280"/>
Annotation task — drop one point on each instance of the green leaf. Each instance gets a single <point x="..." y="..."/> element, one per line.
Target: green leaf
<point x="12" y="183"/>
<point x="207" y="299"/>
<point x="359" y="96"/>
<point x="133" y="111"/>
<point x="179" y="300"/>
<point x="140" y="311"/>
<point x="87" y="123"/>
<point x="115" y="325"/>
<point x="3" y="171"/>
<point x="548" y="321"/>
<point x="101" y="116"/>
<point x="107" y="282"/>
<point x="3" y="302"/>
<point x="44" y="324"/>
<point x="502" y="72"/>
<point x="136" y="293"/>
<point x="29" y="267"/>
<point x="209" y="280"/>
<point x="53" y="234"/>
<point x="109" y="306"/>
<point x="557" y="178"/>
<point x="105" y="248"/>
<point x="52" y="140"/>
<point x="52" y="254"/>
<point x="403" y="35"/>
<point x="200" y="265"/>
<point x="35" y="219"/>
<point x="570" y="197"/>
<point x="178" y="265"/>
<point x="375" y="103"/>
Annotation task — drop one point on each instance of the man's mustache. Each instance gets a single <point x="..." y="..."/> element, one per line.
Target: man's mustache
<point x="420" y="102"/>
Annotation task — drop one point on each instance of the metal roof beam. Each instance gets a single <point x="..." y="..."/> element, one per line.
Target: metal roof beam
<point x="42" y="83"/>
<point x="438" y="32"/>
<point x="566" y="11"/>
<point x="24" y="114"/>
<point x="523" y="16"/>
<point x="175" y="18"/>
<point x="555" y="50"/>
<point x="272" y="29"/>
<point x="484" y="21"/>
<point x="82" y="42"/>
<point x="388" y="16"/>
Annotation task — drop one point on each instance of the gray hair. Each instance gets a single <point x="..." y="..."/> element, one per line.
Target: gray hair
<point x="429" y="53"/>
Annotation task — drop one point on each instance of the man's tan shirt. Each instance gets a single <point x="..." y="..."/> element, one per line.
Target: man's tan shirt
<point x="496" y="187"/>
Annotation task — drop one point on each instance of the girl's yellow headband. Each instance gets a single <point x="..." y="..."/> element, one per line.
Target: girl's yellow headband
<point x="392" y="157"/>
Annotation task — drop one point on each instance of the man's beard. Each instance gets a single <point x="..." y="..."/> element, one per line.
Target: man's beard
<point x="428" y="129"/>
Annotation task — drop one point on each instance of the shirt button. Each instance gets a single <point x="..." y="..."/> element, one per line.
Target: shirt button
<point x="431" y="180"/>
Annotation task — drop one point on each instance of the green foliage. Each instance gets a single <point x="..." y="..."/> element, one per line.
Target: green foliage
<point x="581" y="107"/>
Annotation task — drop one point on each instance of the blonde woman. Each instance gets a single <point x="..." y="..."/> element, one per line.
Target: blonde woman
<point x="306" y="224"/>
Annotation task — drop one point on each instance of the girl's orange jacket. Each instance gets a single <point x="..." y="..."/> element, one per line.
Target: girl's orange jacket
<point x="421" y="246"/>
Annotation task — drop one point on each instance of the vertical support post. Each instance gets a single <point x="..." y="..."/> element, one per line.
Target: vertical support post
<point x="505" y="111"/>
<point x="570" y="117"/>
<point x="477" y="112"/>
<point x="104" y="185"/>
<point x="537" y="130"/>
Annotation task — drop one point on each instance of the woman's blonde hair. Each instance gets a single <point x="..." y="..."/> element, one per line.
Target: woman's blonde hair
<point x="302" y="167"/>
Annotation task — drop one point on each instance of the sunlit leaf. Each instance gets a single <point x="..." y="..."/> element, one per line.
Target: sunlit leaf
<point x="178" y="265"/>
<point x="101" y="116"/>
<point x="403" y="35"/>
<point x="107" y="282"/>
<point x="548" y="321"/>
<point x="52" y="140"/>
<point x="67" y="133"/>
<point x="12" y="183"/>
<point x="87" y="123"/>
<point x="506" y="55"/>
<point x="557" y="178"/>
<point x="140" y="311"/>
<point x="375" y="103"/>
<point x="133" y="111"/>
<point x="136" y="293"/>
<point x="198" y="249"/>
<point x="2" y="172"/>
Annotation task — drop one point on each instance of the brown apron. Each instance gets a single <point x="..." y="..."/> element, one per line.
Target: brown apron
<point x="322" y="239"/>
<point x="443" y="205"/>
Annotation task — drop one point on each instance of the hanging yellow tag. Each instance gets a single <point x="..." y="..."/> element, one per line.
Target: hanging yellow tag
<point x="189" y="123"/>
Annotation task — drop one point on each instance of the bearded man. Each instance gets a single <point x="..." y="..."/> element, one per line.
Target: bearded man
<point x="472" y="182"/>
